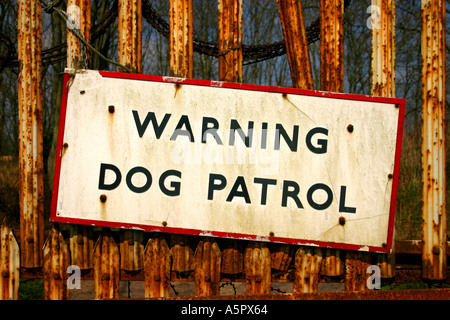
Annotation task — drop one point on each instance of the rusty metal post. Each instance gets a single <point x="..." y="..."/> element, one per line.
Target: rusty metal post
<point x="56" y="262"/>
<point x="332" y="79"/>
<point x="293" y="24"/>
<point x="383" y="48"/>
<point x="106" y="267"/>
<point x="434" y="257"/>
<point x="30" y="133"/>
<point x="80" y="12"/>
<point x="207" y="268"/>
<point x="257" y="262"/>
<point x="157" y="267"/>
<point x="81" y="238"/>
<point x="130" y="34"/>
<point x="230" y="40"/>
<point x="232" y="257"/>
<point x="9" y="264"/>
<point x="130" y="55"/>
<point x="307" y="268"/>
<point x="181" y="38"/>
<point x="332" y="45"/>
<point x="281" y="257"/>
<point x="356" y="264"/>
<point x="383" y="81"/>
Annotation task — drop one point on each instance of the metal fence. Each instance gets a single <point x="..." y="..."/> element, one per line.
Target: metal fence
<point x="109" y="256"/>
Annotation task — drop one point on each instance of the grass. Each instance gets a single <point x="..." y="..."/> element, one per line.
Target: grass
<point x="31" y="289"/>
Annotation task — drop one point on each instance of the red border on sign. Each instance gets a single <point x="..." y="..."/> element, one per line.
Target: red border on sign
<point x="400" y="103"/>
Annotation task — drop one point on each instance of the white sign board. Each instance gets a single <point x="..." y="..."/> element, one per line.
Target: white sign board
<point x="228" y="160"/>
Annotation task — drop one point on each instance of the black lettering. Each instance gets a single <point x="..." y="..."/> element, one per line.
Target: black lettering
<point x="184" y="120"/>
<point x="101" y="180"/>
<point x="311" y="201"/>
<point x="234" y="126"/>
<point x="175" y="185"/>
<point x="265" y="183"/>
<point x="264" y="135"/>
<point x="240" y="182"/>
<point x="212" y="186"/>
<point x="342" y="207"/>
<point x="130" y="175"/>
<point x="141" y="127"/>
<point x="291" y="193"/>
<point x="210" y="130"/>
<point x="292" y="143"/>
<point x="321" y="142"/>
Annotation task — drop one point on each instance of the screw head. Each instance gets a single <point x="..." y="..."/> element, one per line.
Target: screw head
<point x="103" y="198"/>
<point x="341" y="221"/>
<point x="111" y="109"/>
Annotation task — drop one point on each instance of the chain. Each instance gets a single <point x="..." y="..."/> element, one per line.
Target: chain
<point x="51" y="7"/>
<point x="251" y="53"/>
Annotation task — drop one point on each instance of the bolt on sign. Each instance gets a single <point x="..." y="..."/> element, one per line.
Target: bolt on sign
<point x="228" y="160"/>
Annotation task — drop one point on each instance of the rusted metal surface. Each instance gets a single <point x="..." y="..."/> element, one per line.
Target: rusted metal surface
<point x="56" y="262"/>
<point x="181" y="38"/>
<point x="9" y="264"/>
<point x="31" y="168"/>
<point x="383" y="48"/>
<point x="106" y="267"/>
<point x="308" y="262"/>
<point x="257" y="269"/>
<point x="383" y="80"/>
<point x="182" y="253"/>
<point x="131" y="250"/>
<point x="232" y="257"/>
<point x="333" y="263"/>
<point x="230" y="40"/>
<point x="130" y="34"/>
<point x="281" y="257"/>
<point x="207" y="267"/>
<point x="332" y="45"/>
<point x="434" y="233"/>
<point x="413" y="294"/>
<point x="157" y="267"/>
<point x="293" y="24"/>
<point x="81" y="246"/>
<point x="79" y="11"/>
<point x="356" y="275"/>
